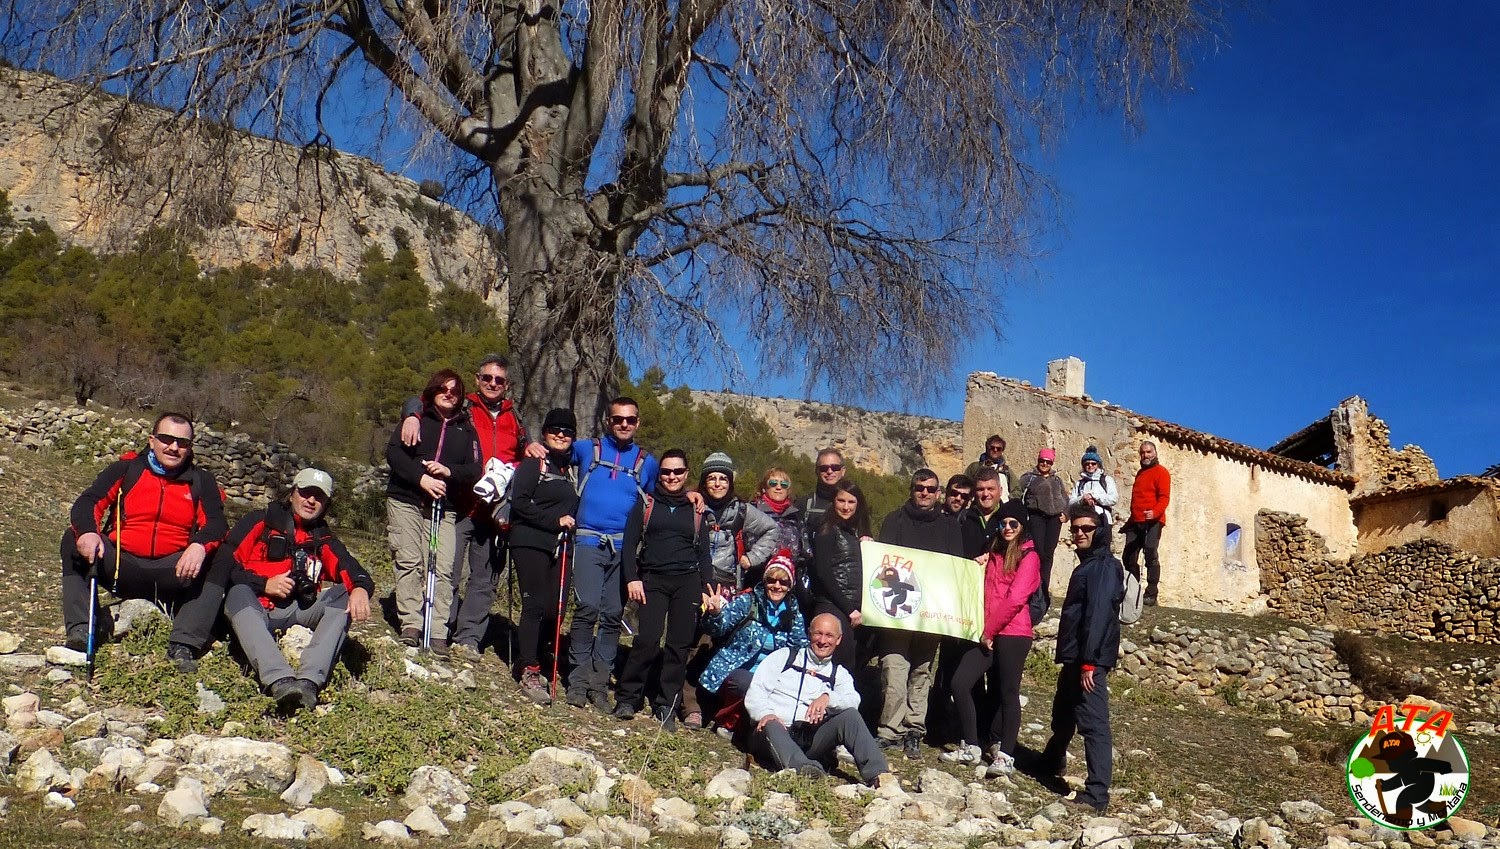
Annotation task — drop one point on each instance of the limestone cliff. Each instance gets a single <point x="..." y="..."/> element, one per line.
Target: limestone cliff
<point x="101" y="170"/>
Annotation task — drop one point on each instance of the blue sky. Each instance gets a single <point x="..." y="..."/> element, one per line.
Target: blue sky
<point x="1318" y="217"/>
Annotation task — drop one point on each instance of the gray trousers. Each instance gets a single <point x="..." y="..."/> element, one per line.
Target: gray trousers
<point x="480" y="546"/>
<point x="255" y="628"/>
<point x="785" y="748"/>
<point x="597" y="609"/>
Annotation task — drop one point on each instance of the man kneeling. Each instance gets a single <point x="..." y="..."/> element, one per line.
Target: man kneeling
<point x="804" y="704"/>
<point x="282" y="556"/>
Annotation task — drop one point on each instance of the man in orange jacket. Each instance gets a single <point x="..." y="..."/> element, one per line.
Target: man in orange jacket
<point x="1148" y="515"/>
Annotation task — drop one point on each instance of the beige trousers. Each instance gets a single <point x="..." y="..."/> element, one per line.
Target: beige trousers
<point x="906" y="661"/>
<point x="409" y="526"/>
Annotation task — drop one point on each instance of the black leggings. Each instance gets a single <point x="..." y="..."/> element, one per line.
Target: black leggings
<point x="537" y="572"/>
<point x="1004" y="665"/>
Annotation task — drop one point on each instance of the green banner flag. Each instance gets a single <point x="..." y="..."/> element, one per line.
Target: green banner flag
<point x="913" y="590"/>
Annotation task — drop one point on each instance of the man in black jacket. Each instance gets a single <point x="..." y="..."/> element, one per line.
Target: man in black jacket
<point x="906" y="657"/>
<point x="1088" y="647"/>
<point x="980" y="521"/>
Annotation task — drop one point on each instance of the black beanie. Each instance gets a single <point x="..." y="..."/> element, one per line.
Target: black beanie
<point x="1013" y="510"/>
<point x="560" y="417"/>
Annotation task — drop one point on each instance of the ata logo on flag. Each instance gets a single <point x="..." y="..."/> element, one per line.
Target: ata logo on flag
<point x="895" y="589"/>
<point x="1405" y="774"/>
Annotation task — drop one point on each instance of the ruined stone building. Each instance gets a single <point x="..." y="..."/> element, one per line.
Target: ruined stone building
<point x="1314" y="527"/>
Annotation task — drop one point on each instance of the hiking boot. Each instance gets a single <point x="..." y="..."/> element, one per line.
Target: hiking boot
<point x="811" y="771"/>
<point x="286" y="693"/>
<point x="182" y="657"/>
<point x="534" y="686"/>
<point x="410" y="637"/>
<point x="911" y="745"/>
<point x="666" y="718"/>
<point x="599" y="700"/>
<point x="1083" y="807"/>
<point x="307" y="693"/>
<point x="1000" y="763"/>
<point x="694" y="720"/>
<point x="78" y="638"/>
<point x="578" y="697"/>
<point x="963" y="755"/>
<point x="624" y="711"/>
<point x="889" y="742"/>
<point x="439" y="647"/>
<point x="466" y="652"/>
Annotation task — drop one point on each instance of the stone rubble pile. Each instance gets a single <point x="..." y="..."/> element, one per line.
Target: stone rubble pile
<point x="1422" y="590"/>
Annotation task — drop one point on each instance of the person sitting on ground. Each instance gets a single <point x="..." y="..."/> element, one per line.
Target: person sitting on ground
<point x="748" y="628"/>
<point x="443" y="465"/>
<point x="158" y="518"/>
<point x="287" y="568"/>
<point x="804" y="705"/>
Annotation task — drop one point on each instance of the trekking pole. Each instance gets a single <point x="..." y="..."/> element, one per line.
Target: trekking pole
<point x="429" y="595"/>
<point x="91" y="648"/>
<point x="562" y="584"/>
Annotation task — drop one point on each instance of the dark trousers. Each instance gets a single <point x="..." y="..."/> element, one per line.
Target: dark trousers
<point x="1004" y="664"/>
<point x="847" y="653"/>
<point x="731" y="703"/>
<point x="479" y="545"/>
<point x="1143" y="536"/>
<point x="1075" y="710"/>
<point x="671" y="609"/>
<point x="539" y="573"/>
<point x="804" y="744"/>
<point x="1045" y="529"/>
<point x="695" y="699"/>
<point x="196" y="603"/>
<point x="598" y="604"/>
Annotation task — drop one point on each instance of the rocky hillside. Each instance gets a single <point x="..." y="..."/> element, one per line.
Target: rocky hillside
<point x="101" y="170"/>
<point x="889" y="443"/>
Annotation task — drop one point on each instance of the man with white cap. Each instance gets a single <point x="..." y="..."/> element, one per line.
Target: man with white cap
<point x="287" y="568"/>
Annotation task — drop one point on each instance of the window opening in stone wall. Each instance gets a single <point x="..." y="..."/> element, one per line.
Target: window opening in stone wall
<point x="1437" y="511"/>
<point x="1232" y="560"/>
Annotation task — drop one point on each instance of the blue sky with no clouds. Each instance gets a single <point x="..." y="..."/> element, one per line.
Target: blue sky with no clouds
<point x="1318" y="217"/>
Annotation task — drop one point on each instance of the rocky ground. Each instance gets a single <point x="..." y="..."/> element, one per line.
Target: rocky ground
<point x="1230" y="732"/>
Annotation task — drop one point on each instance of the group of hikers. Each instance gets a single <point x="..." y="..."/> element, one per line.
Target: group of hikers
<point x="748" y="612"/>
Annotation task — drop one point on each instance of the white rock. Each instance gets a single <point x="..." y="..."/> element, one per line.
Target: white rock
<point x="1276" y="732"/>
<point x="424" y="821"/>
<point x="9" y="642"/>
<point x="183" y="804"/>
<point x="57" y="676"/>
<point x="275" y="827"/>
<point x="22" y="703"/>
<point x="209" y="702"/>
<point x="434" y="787"/>
<point x="325" y="823"/>
<point x="729" y="784"/>
<point x="733" y="838"/>
<point x="815" y="838"/>
<point x="247" y="764"/>
<point x="1102" y="831"/>
<point x="211" y="826"/>
<point x="416" y="671"/>
<point x="311" y="779"/>
<point x="51" y="719"/>
<point x="135" y="827"/>
<point x="1304" y="811"/>
<point x="781" y="804"/>
<point x="295" y="642"/>
<point x="41" y="773"/>
<point x="387" y="831"/>
<point x="64" y="656"/>
<point x="57" y="802"/>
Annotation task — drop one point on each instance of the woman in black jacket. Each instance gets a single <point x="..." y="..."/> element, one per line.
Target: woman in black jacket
<point x="444" y="462"/>
<point x="837" y="579"/>
<point x="544" y="499"/>
<point x="668" y="577"/>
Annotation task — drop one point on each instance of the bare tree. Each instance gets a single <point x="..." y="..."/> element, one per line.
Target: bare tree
<point x="823" y="176"/>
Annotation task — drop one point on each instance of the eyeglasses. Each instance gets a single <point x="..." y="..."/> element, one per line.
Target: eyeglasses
<point x="676" y="473"/>
<point x="496" y="380"/>
<point x="561" y="431"/>
<point x="777" y="582"/>
<point x="449" y="390"/>
<point x="1083" y="530"/>
<point x="773" y="483"/>
<point x="830" y="467"/>
<point x="930" y="487"/>
<point x="312" y="493"/>
<point x="1010" y="524"/>
<point x="624" y="420"/>
<point x="169" y="440"/>
<point x="958" y="493"/>
<point x="1091" y="462"/>
<point x="1044" y="462"/>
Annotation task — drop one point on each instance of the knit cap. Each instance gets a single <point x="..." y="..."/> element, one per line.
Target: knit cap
<point x="1092" y="454"/>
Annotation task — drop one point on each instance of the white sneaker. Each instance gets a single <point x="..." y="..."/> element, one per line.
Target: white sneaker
<point x="1000" y="763"/>
<point x="964" y="755"/>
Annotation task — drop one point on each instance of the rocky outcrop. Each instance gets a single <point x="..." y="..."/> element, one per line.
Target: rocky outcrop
<point x="888" y="443"/>
<point x="101" y="171"/>
<point x="1423" y="590"/>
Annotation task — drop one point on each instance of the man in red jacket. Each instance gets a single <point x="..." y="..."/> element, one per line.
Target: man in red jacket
<point x="479" y="541"/>
<point x="287" y="568"/>
<point x="1148" y="515"/>
<point x="158" y="518"/>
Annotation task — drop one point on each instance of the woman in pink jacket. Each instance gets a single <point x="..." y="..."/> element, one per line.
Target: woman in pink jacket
<point x="1012" y="573"/>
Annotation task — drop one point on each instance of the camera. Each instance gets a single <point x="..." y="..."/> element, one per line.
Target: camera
<point x="307" y="575"/>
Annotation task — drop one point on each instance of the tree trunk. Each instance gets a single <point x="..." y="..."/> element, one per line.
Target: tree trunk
<point x="563" y="296"/>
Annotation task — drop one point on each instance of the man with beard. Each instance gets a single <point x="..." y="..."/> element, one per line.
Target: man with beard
<point x="1148" y="515"/>
<point x="994" y="458"/>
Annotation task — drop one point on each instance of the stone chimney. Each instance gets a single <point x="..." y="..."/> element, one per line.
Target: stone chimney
<point x="1065" y="377"/>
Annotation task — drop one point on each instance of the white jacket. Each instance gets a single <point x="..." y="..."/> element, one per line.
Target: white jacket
<point x="1102" y="487"/>
<point x="785" y="693"/>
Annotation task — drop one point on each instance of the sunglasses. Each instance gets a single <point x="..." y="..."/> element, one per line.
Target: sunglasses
<point x="773" y="483"/>
<point x="958" y="493"/>
<point x="1084" y="529"/>
<point x="1010" y="524"/>
<point x="562" y="431"/>
<point x="312" y="493"/>
<point x="449" y="390"/>
<point x="830" y="467"/>
<point x="624" y="420"/>
<point x="924" y="487"/>
<point x="1091" y="462"/>
<point x="675" y="473"/>
<point x="777" y="582"/>
<point x="1044" y="462"/>
<point x="492" y="379"/>
<point x="169" y="440"/>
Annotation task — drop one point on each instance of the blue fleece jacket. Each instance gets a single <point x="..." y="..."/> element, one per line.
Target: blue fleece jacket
<point x="609" y="494"/>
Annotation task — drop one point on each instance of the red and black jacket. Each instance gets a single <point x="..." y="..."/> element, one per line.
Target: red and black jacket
<point x="160" y="515"/>
<point x="248" y="548"/>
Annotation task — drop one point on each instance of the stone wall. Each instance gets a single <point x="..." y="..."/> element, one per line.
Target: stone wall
<point x="1422" y="590"/>
<point x="1211" y="489"/>
<point x="247" y="471"/>
<point x="1364" y="450"/>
